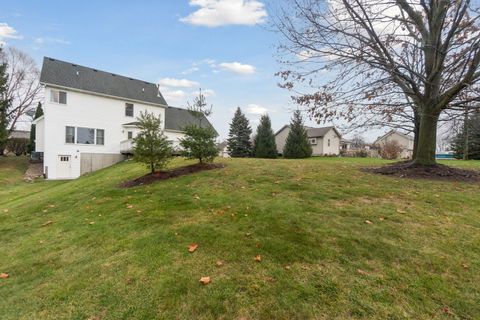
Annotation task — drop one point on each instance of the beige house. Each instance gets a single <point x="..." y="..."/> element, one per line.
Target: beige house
<point x="403" y="140"/>
<point x="223" y="150"/>
<point x="324" y="141"/>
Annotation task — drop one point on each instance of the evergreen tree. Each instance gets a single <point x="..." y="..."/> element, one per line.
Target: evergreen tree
<point x="468" y="137"/>
<point x="38" y="114"/>
<point x="4" y="105"/>
<point x="238" y="143"/>
<point x="151" y="146"/>
<point x="297" y="145"/>
<point x="199" y="141"/>
<point x="264" y="143"/>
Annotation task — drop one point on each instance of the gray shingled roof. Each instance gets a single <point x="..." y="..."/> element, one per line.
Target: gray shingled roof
<point x="65" y="74"/>
<point x="177" y="119"/>
<point x="314" y="132"/>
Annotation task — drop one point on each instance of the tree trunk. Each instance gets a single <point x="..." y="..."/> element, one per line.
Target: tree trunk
<point x="416" y="129"/>
<point x="152" y="168"/>
<point x="466" y="134"/>
<point x="427" y="140"/>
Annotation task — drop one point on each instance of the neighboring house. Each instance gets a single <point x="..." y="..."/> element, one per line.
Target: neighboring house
<point x="223" y="150"/>
<point x="324" y="141"/>
<point x="90" y="118"/>
<point x="403" y="140"/>
<point x="349" y="149"/>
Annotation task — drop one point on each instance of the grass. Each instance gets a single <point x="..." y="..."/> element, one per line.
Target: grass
<point x="113" y="253"/>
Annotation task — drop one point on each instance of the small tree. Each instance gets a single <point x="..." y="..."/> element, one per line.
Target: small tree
<point x="264" y="143"/>
<point x="297" y="145"/>
<point x="199" y="141"/>
<point x="238" y="143"/>
<point x="151" y="145"/>
<point x="33" y="131"/>
<point x="391" y="150"/>
<point x="4" y="107"/>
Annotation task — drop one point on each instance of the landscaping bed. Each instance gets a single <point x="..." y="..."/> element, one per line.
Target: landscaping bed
<point x="169" y="174"/>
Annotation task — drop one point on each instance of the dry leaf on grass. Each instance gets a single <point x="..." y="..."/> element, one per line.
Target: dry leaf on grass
<point x="196" y="198"/>
<point x="47" y="223"/>
<point x="4" y="275"/>
<point x="368" y="222"/>
<point x="5" y="210"/>
<point x="401" y="211"/>
<point x="258" y="258"/>
<point x="362" y="272"/>
<point x="219" y="263"/>
<point x="205" y="280"/>
<point x="192" y="247"/>
<point x="129" y="206"/>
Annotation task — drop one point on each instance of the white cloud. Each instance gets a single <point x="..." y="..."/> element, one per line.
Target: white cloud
<point x="172" y="95"/>
<point x="7" y="32"/>
<point x="181" y="83"/>
<point x="191" y="70"/>
<point x="206" y="92"/>
<point x="237" y="67"/>
<point x="215" y="13"/>
<point x="46" y="40"/>
<point x="257" y="109"/>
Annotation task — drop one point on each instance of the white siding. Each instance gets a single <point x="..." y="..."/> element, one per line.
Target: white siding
<point x="39" y="135"/>
<point x="281" y="138"/>
<point x="90" y="111"/>
<point x="317" y="149"/>
<point x="334" y="148"/>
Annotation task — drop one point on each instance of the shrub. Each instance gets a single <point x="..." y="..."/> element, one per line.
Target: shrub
<point x="391" y="150"/>
<point x="18" y="146"/>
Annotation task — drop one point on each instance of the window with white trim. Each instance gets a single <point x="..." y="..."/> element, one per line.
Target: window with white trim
<point x="313" y="141"/>
<point x="58" y="96"/>
<point x="83" y="135"/>
<point x="129" y="135"/>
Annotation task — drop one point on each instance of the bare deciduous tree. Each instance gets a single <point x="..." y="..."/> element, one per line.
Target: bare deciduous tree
<point x="23" y="86"/>
<point x="380" y="61"/>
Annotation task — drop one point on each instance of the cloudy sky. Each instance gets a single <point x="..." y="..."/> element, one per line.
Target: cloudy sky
<point x="221" y="46"/>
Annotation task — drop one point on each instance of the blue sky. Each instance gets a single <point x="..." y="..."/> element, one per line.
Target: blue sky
<point x="221" y="46"/>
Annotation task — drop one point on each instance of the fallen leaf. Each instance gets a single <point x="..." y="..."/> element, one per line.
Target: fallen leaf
<point x="129" y="206"/>
<point x="4" y="275"/>
<point x="47" y="223"/>
<point x="5" y="210"/>
<point x="219" y="263"/>
<point x="205" y="280"/>
<point x="44" y="211"/>
<point x="362" y="272"/>
<point x="92" y="222"/>
<point x="258" y="258"/>
<point x="401" y="211"/>
<point x="287" y="267"/>
<point x="368" y="222"/>
<point x="248" y="234"/>
<point x="196" y="198"/>
<point x="192" y="247"/>
<point x="277" y="182"/>
<point x="382" y="218"/>
<point x="51" y="205"/>
<point x="465" y="266"/>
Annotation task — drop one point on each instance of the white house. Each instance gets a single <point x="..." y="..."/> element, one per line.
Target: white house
<point x="403" y="140"/>
<point x="324" y="141"/>
<point x="90" y="116"/>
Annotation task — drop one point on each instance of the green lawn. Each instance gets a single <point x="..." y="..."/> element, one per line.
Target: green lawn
<point x="113" y="253"/>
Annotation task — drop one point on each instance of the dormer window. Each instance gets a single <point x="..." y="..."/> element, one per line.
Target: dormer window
<point x="129" y="109"/>
<point x="58" y="96"/>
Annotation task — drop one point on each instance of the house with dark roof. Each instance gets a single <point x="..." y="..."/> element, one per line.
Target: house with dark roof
<point x="90" y="117"/>
<point x="324" y="140"/>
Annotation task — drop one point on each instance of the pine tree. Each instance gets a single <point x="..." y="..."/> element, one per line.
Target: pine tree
<point x="38" y="114"/>
<point x="297" y="145"/>
<point x="4" y="106"/>
<point x="468" y="136"/>
<point x="238" y="143"/>
<point x="264" y="143"/>
<point x="199" y="140"/>
<point x="151" y="146"/>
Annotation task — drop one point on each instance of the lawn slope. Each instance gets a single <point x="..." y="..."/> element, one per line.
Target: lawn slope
<point x="335" y="243"/>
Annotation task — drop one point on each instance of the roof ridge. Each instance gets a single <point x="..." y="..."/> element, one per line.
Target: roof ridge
<point x="98" y="70"/>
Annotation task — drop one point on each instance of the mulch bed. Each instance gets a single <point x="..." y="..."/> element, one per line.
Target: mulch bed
<point x="441" y="172"/>
<point x="169" y="174"/>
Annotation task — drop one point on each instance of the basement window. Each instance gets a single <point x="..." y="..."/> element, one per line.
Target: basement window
<point x="58" y="96"/>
